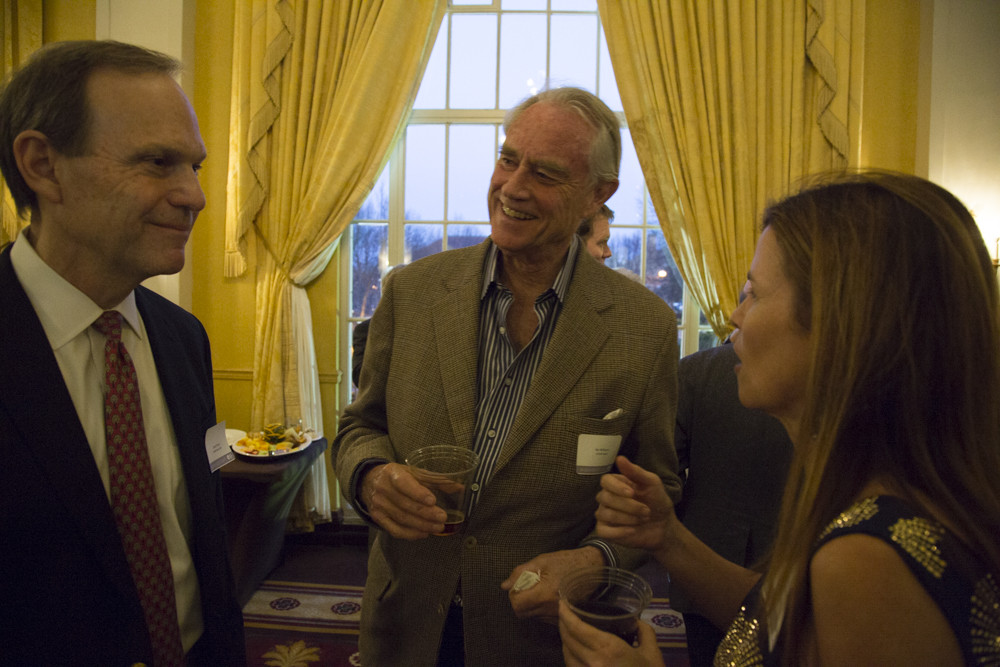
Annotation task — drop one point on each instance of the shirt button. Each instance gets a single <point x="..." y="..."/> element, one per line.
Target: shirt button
<point x="475" y="487"/>
<point x="470" y="542"/>
<point x="491" y="433"/>
<point x="508" y="381"/>
<point x="503" y="330"/>
<point x="440" y="608"/>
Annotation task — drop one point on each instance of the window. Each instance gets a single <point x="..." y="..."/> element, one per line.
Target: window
<point x="488" y="56"/>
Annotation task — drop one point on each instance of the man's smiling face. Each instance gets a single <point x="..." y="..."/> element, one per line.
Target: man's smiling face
<point x="541" y="186"/>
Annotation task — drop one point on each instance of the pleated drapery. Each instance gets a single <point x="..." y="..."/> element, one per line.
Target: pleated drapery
<point x="321" y="92"/>
<point x="729" y="104"/>
<point x="21" y="22"/>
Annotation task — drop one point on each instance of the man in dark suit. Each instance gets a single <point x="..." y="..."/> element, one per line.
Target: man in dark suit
<point x="736" y="461"/>
<point x="111" y="520"/>
<point x="527" y="350"/>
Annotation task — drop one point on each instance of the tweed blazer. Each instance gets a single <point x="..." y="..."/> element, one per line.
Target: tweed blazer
<point x="614" y="346"/>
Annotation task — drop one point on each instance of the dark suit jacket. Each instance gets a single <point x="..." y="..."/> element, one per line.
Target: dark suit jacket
<point x="614" y="346"/>
<point x="736" y="461"/>
<point x="67" y="593"/>
<point x="359" y="339"/>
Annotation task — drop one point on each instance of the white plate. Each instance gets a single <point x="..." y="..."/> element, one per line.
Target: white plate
<point x="234" y="435"/>
<point x="248" y="453"/>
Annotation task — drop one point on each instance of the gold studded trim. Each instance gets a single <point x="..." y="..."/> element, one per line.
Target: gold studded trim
<point x="919" y="537"/>
<point x="984" y="618"/>
<point x="852" y="516"/>
<point x="740" y="647"/>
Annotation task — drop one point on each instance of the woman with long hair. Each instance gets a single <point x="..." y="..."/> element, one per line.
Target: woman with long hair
<point x="871" y="329"/>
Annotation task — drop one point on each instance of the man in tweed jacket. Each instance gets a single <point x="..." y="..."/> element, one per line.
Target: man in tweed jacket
<point x="529" y="351"/>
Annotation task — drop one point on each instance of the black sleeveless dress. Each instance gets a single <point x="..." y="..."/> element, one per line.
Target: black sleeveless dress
<point x="966" y="592"/>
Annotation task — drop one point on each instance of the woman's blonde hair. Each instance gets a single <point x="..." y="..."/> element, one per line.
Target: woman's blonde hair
<point x="900" y="296"/>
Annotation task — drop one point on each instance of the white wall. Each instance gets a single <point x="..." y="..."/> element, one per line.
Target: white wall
<point x="959" y="121"/>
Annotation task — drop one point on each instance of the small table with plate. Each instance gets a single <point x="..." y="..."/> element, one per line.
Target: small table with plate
<point x="258" y="495"/>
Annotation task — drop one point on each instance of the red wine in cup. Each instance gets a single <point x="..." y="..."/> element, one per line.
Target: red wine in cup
<point x="610" y="618"/>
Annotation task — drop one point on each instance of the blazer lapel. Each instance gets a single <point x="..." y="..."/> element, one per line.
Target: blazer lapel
<point x="42" y="410"/>
<point x="456" y="329"/>
<point x="579" y="335"/>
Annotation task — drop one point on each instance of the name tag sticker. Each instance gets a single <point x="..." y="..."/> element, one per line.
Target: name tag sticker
<point x="217" y="447"/>
<point x="595" y="454"/>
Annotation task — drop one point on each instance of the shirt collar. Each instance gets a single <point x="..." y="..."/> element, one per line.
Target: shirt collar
<point x="63" y="310"/>
<point x="561" y="284"/>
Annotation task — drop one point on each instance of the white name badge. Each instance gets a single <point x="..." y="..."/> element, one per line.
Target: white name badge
<point x="595" y="454"/>
<point x="217" y="447"/>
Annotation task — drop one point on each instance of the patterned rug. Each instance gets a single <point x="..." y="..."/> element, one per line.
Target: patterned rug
<point x="315" y="625"/>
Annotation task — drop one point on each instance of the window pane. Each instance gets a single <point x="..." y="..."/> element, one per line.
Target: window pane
<point x="662" y="275"/>
<point x="626" y="249"/>
<point x="472" y="2"/>
<point x="522" y="57"/>
<point x="627" y="200"/>
<point x="424" y="199"/>
<point x="376" y="206"/>
<point x="432" y="87"/>
<point x="473" y="61"/>
<point x="574" y="5"/>
<point x="370" y="255"/>
<point x="706" y="339"/>
<point x="421" y="241"/>
<point x="462" y="236"/>
<point x="573" y="52"/>
<point x="470" y="166"/>
<point x="523" y="4"/>
<point x="609" y="85"/>
<point x="651" y="217"/>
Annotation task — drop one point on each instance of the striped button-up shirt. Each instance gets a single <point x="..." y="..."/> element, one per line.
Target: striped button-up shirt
<point x="504" y="374"/>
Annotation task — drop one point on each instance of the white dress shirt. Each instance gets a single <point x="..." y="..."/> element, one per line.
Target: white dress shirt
<point x="67" y="314"/>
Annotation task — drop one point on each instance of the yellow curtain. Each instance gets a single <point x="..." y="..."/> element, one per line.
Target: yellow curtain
<point x="729" y="103"/>
<point x="321" y="92"/>
<point x="21" y="23"/>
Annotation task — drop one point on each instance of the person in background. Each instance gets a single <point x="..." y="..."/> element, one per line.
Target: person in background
<point x="542" y="362"/>
<point x="734" y="462"/>
<point x="596" y="232"/>
<point x="111" y="521"/>
<point x="872" y="331"/>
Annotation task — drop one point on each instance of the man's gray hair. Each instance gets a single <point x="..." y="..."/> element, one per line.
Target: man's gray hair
<point x="606" y="146"/>
<point x="49" y="94"/>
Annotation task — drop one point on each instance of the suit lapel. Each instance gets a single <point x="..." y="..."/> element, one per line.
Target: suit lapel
<point x="42" y="410"/>
<point x="182" y="393"/>
<point x="579" y="335"/>
<point x="456" y="329"/>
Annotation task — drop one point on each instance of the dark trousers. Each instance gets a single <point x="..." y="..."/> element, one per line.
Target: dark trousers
<point x="452" y="651"/>
<point x="703" y="640"/>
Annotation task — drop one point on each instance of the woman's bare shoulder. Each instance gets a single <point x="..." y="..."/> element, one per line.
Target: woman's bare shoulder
<point x="869" y="609"/>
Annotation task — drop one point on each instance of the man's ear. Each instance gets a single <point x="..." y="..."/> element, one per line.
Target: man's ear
<point x="35" y="158"/>
<point x="602" y="193"/>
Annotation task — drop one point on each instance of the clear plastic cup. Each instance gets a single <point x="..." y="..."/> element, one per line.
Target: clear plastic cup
<point x="447" y="471"/>
<point x="609" y="598"/>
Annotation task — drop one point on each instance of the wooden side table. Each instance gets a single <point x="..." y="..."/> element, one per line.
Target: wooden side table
<point x="258" y="496"/>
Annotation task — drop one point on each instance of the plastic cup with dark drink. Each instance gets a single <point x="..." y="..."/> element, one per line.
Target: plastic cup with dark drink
<point x="447" y="471"/>
<point x="609" y="598"/>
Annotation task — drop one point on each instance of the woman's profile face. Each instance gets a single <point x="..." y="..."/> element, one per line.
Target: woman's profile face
<point x="772" y="346"/>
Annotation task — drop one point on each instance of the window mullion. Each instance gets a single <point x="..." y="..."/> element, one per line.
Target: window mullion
<point x="397" y="202"/>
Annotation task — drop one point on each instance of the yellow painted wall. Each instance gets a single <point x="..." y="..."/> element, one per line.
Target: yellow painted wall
<point x="889" y="106"/>
<point x="68" y="19"/>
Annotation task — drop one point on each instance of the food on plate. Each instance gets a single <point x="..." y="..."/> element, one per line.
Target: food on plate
<point x="274" y="440"/>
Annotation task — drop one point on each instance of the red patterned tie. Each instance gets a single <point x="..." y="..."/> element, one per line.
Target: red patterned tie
<point x="133" y="497"/>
